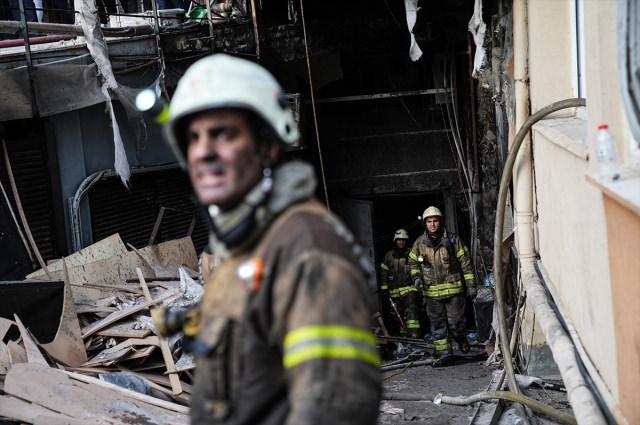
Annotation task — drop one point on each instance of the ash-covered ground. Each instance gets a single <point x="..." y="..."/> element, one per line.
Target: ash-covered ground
<point x="462" y="379"/>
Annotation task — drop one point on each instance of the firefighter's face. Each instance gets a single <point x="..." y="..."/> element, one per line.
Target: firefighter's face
<point x="223" y="159"/>
<point x="401" y="243"/>
<point x="433" y="224"/>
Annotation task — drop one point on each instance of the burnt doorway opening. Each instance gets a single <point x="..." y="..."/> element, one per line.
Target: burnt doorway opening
<point x="374" y="221"/>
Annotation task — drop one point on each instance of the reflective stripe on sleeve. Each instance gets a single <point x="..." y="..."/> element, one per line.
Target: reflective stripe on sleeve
<point x="415" y="272"/>
<point x="384" y="266"/>
<point x="384" y="286"/>
<point x="329" y="342"/>
<point x="400" y="292"/>
<point x="469" y="277"/>
<point x="461" y="252"/>
<point x="413" y="256"/>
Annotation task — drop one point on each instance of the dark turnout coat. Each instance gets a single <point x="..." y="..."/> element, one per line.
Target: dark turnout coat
<point x="287" y="326"/>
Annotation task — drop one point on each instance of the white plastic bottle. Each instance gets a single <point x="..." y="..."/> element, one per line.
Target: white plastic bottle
<point x="608" y="168"/>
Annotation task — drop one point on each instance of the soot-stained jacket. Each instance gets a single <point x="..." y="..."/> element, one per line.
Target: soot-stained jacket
<point x="286" y="322"/>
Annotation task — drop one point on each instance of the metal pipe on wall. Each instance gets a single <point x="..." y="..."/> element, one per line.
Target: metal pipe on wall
<point x="582" y="400"/>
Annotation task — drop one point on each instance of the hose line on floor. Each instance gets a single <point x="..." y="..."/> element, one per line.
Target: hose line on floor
<point x="535" y="405"/>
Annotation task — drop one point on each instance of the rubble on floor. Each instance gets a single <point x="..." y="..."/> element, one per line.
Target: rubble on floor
<point x="105" y="363"/>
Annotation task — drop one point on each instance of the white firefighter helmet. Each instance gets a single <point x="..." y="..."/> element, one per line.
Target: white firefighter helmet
<point x="400" y="234"/>
<point x="224" y="81"/>
<point x="431" y="212"/>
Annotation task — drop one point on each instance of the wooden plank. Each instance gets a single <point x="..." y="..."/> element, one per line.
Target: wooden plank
<point x="163" y="389"/>
<point x="5" y="324"/>
<point x="165" y="258"/>
<point x="33" y="352"/>
<point x="17" y="353"/>
<point x="119" y="315"/>
<point x="163" y="380"/>
<point x="108" y="403"/>
<point x="67" y="346"/>
<point x="117" y="352"/>
<point x="20" y="410"/>
<point x="141" y="354"/>
<point x="101" y="250"/>
<point x="130" y="394"/>
<point x="5" y="363"/>
<point x="64" y="420"/>
<point x="176" y="387"/>
<point x="124" y="330"/>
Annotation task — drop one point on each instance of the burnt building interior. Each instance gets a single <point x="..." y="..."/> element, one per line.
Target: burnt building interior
<point x="388" y="135"/>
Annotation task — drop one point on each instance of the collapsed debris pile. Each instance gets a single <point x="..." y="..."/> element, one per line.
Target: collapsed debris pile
<point x="106" y="363"/>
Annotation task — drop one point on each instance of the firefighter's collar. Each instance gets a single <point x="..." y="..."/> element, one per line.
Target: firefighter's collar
<point x="239" y="227"/>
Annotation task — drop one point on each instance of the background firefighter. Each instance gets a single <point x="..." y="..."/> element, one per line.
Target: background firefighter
<point x="396" y="283"/>
<point x="284" y="335"/>
<point x="439" y="263"/>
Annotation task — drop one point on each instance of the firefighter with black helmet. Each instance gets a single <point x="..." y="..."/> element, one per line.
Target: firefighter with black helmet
<point x="439" y="263"/>
<point x="396" y="284"/>
<point x="284" y="332"/>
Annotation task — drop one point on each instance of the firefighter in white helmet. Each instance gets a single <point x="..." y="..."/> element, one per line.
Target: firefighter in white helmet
<point x="396" y="284"/>
<point x="285" y="323"/>
<point x="440" y="264"/>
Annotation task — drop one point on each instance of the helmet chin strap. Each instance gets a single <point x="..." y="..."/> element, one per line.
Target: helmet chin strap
<point x="233" y="227"/>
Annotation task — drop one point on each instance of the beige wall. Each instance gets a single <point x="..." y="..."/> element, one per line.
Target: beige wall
<point x="573" y="249"/>
<point x="571" y="227"/>
<point x="551" y="37"/>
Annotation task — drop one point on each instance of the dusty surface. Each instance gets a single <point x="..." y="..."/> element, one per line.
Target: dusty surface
<point x="464" y="379"/>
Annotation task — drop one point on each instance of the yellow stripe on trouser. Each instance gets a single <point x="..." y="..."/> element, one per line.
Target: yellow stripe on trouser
<point x="443" y="289"/>
<point x="441" y="344"/>
<point x="333" y="342"/>
<point x="401" y="292"/>
<point x="469" y="277"/>
<point x="384" y="286"/>
<point x="413" y="324"/>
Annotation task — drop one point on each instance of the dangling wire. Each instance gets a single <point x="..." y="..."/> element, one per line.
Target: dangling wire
<point x="313" y="107"/>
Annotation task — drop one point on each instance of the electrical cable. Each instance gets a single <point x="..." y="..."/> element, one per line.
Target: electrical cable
<point x="23" y="218"/>
<point x="313" y="106"/>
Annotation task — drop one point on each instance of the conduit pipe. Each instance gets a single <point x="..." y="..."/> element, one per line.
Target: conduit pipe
<point x="582" y="400"/>
<point x="535" y="405"/>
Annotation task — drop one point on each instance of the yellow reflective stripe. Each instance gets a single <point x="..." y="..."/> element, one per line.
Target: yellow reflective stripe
<point x="307" y="333"/>
<point x="383" y="266"/>
<point x="384" y="286"/>
<point x="441" y="344"/>
<point x="413" y="256"/>
<point x="329" y="341"/>
<point x="400" y="292"/>
<point x="317" y="351"/>
<point x="469" y="277"/>
<point x="461" y="252"/>
<point x="414" y="272"/>
<point x="413" y="324"/>
<point x="443" y="289"/>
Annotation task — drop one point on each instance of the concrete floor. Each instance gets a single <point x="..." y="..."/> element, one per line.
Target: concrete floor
<point x="463" y="379"/>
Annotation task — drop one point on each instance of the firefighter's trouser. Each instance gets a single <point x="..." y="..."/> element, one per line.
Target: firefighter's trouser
<point x="408" y="305"/>
<point x="447" y="317"/>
